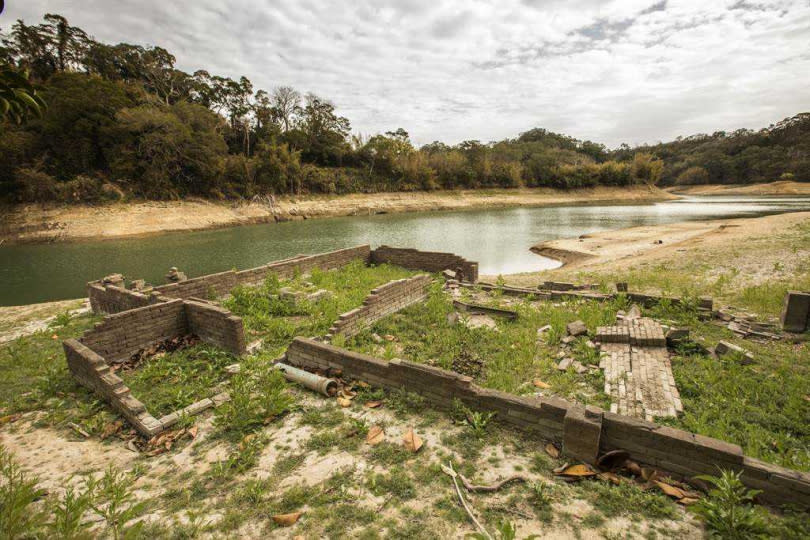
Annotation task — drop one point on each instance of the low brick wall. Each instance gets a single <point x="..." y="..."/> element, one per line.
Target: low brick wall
<point x="429" y="261"/>
<point x="216" y="325"/>
<point x="381" y="302"/>
<point x="105" y="298"/>
<point x="584" y="431"/>
<point x="93" y="372"/>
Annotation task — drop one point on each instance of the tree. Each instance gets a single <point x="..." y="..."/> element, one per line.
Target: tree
<point x="18" y="97"/>
<point x="286" y="104"/>
<point x="647" y="168"/>
<point x="322" y="133"/>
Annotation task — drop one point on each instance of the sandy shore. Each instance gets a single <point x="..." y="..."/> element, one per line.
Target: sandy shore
<point x="774" y="188"/>
<point x="34" y="223"/>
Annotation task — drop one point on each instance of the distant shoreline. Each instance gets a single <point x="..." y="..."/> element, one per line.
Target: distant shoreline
<point x="782" y="187"/>
<point x="67" y="223"/>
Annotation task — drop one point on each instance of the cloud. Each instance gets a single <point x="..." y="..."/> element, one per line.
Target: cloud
<point x="612" y="71"/>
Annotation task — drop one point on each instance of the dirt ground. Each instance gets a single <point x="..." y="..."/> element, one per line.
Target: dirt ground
<point x="35" y="223"/>
<point x="773" y="188"/>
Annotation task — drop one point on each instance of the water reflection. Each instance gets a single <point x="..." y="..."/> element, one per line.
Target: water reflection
<point x="498" y="239"/>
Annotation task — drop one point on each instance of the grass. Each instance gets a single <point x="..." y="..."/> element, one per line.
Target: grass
<point x="172" y="381"/>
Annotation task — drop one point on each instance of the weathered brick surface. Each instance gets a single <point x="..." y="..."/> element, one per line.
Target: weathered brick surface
<point x="381" y="302"/>
<point x="582" y="430"/>
<point x="106" y="298"/>
<point x="216" y="325"/>
<point x="796" y="311"/>
<point x="429" y="261"/>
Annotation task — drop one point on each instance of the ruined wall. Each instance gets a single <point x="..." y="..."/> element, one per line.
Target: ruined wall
<point x="105" y="298"/>
<point x="381" y="302"/>
<point x="429" y="261"/>
<point x="120" y="335"/>
<point x="584" y="431"/>
<point x="211" y="285"/>
<point x="92" y="372"/>
<point x="216" y="325"/>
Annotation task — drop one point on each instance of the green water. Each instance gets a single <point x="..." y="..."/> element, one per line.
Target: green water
<point x="498" y="239"/>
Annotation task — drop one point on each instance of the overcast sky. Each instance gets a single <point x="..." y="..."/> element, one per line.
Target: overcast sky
<point x="621" y="71"/>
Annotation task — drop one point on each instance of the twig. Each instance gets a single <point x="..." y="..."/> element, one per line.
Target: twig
<point x="489" y="489"/>
<point x="454" y="475"/>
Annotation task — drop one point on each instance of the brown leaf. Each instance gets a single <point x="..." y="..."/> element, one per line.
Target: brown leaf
<point x="362" y="384"/>
<point x="287" y="520"/>
<point x="193" y="431"/>
<point x="672" y="491"/>
<point x="344" y="402"/>
<point x="10" y="419"/>
<point x="540" y="384"/>
<point x="610" y="477"/>
<point x="633" y="468"/>
<point x="577" y="471"/>
<point x="552" y="450"/>
<point x="411" y="440"/>
<point x="686" y="501"/>
<point x="372" y="404"/>
<point x="650" y="475"/>
<point x="375" y="435"/>
<point x="111" y="429"/>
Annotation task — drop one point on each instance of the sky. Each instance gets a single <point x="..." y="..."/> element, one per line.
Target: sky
<point x="630" y="71"/>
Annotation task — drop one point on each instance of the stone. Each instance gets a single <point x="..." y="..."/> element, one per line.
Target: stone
<point x="676" y="335"/>
<point x="175" y="275"/>
<point x="233" y="369"/>
<point x="449" y="274"/>
<point x="116" y="280"/>
<point x="565" y="363"/>
<point x="795" y="311"/>
<point x="541" y="332"/>
<point x="452" y="318"/>
<point x="578" y="367"/>
<point x="724" y="348"/>
<point x="634" y="313"/>
<point x="567" y="340"/>
<point x="576" y="328"/>
<point x="319" y="295"/>
<point x="138" y="285"/>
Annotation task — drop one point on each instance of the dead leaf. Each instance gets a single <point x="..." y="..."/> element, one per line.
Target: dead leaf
<point x="372" y="404"/>
<point x="9" y="419"/>
<point x="362" y="384"/>
<point x="610" y="477"/>
<point x="633" y="468"/>
<point x="577" y="471"/>
<point x="686" y="501"/>
<point x="552" y="450"/>
<point x="389" y="337"/>
<point x="650" y="475"/>
<point x="672" y="491"/>
<point x="111" y="429"/>
<point x="193" y="431"/>
<point x="411" y="440"/>
<point x="346" y="393"/>
<point x="55" y="336"/>
<point x="344" y="402"/>
<point x="287" y="520"/>
<point x="540" y="384"/>
<point x="561" y="468"/>
<point x="375" y="435"/>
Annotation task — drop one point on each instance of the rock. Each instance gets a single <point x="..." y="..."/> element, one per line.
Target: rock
<point x="452" y="318"/>
<point x="138" y="285"/>
<point x="116" y="280"/>
<point x="634" y="313"/>
<point x="541" y="332"/>
<point x="175" y="275"/>
<point x="319" y="295"/>
<point x="449" y="274"/>
<point x="567" y="340"/>
<point x="590" y="344"/>
<point x="233" y="369"/>
<point x="565" y="363"/>
<point x="724" y="348"/>
<point x="576" y="328"/>
<point x="289" y="295"/>
<point x="376" y="338"/>
<point x="676" y="335"/>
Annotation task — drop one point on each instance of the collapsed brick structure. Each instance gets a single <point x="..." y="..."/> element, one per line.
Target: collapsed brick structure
<point x="381" y="302"/>
<point x="584" y="431"/>
<point x="119" y="336"/>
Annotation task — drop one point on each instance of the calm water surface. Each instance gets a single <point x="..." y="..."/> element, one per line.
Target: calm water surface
<point x="498" y="239"/>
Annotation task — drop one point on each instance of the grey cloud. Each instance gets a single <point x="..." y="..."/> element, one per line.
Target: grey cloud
<point x="613" y="71"/>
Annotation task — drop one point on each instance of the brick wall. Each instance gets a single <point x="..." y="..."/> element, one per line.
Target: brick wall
<point x="216" y="325"/>
<point x="584" y="431"/>
<point x="381" y="302"/>
<point x="120" y="335"/>
<point x="429" y="261"/>
<point x="92" y="372"/>
<point x="202" y="287"/>
<point x="105" y="298"/>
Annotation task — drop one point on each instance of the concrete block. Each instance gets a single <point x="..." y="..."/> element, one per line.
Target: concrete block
<point x="795" y="311"/>
<point x="576" y="328"/>
<point x="582" y="430"/>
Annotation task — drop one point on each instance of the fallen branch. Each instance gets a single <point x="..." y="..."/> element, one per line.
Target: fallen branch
<point x="454" y="475"/>
<point x="489" y="489"/>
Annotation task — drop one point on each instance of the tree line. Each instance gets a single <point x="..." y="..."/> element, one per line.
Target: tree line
<point x="123" y="121"/>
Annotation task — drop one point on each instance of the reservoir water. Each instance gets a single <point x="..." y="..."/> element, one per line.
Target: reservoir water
<point x="499" y="239"/>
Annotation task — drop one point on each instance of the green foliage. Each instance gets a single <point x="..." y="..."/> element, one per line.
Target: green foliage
<point x="259" y="395"/>
<point x="728" y="511"/>
<point x="18" y="97"/>
<point x="115" y="502"/>
<point x="18" y="495"/>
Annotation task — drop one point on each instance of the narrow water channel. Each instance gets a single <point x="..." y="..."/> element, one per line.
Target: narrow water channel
<point x="498" y="239"/>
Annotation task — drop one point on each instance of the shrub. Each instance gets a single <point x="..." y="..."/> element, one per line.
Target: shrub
<point x="727" y="510"/>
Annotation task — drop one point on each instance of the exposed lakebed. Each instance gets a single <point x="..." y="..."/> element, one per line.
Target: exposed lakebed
<point x="499" y="239"/>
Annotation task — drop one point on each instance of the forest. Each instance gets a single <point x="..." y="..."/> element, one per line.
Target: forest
<point x="120" y="121"/>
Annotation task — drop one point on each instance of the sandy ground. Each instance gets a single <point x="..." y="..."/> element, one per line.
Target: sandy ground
<point x="19" y="321"/>
<point x="747" y="244"/>
<point x="774" y="188"/>
<point x="34" y="223"/>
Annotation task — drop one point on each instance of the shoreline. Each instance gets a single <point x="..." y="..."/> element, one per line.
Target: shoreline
<point x="28" y="224"/>
<point x="781" y="187"/>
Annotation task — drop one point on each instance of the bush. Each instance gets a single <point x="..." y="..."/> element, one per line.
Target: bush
<point x="34" y="185"/>
<point x="693" y="176"/>
<point x="728" y="510"/>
